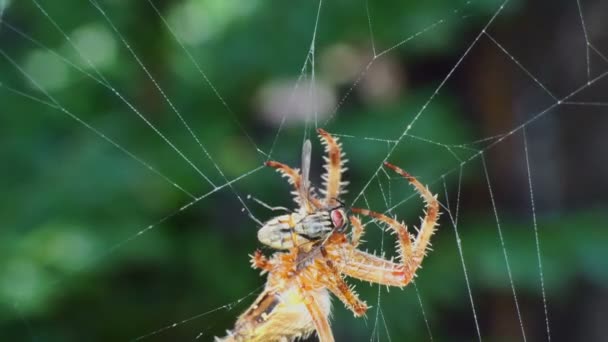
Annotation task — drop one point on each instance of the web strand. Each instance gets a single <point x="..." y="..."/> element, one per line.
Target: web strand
<point x="309" y="59"/>
<point x="550" y="93"/>
<point x="312" y="89"/>
<point x="598" y="52"/>
<point x="371" y="29"/>
<point x="388" y="335"/>
<point x="377" y="55"/>
<point x="536" y="238"/>
<point x="205" y="78"/>
<point x="158" y="87"/>
<point x="174" y="325"/>
<point x="503" y="246"/>
<point x="587" y="42"/>
<point x="375" y="330"/>
<point x="432" y="97"/>
<point x="454" y="221"/>
<point x="122" y="98"/>
<point x="419" y="297"/>
<point x="501" y="137"/>
<point x="426" y="320"/>
<point x="367" y="67"/>
<point x="54" y="104"/>
<point x="3" y="5"/>
<point x="113" y="249"/>
<point x="495" y="141"/>
<point x="178" y="211"/>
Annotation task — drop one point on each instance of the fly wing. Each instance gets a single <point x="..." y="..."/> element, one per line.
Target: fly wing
<point x="305" y="180"/>
<point x="306" y="153"/>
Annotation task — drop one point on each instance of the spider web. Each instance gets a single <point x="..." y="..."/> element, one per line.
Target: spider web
<point x="446" y="164"/>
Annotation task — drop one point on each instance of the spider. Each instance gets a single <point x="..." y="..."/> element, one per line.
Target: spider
<point x="315" y="253"/>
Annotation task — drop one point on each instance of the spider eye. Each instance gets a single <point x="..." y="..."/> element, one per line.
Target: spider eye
<point x="337" y="218"/>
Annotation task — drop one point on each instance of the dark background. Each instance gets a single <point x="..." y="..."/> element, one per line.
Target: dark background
<point x="73" y="267"/>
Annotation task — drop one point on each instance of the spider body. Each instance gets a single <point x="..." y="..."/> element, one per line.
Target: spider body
<point x="315" y="254"/>
<point x="280" y="312"/>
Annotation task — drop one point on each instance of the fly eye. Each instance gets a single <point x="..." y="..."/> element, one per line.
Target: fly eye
<point x="337" y="218"/>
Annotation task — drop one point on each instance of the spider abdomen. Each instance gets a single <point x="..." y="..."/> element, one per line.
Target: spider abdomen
<point x="279" y="314"/>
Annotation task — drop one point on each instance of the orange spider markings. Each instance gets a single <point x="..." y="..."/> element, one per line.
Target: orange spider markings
<point x="293" y="175"/>
<point x="347" y="296"/>
<point x="337" y="239"/>
<point x="259" y="261"/>
<point x="302" y="275"/>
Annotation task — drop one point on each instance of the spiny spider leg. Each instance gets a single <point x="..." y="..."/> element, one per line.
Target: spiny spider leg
<point x="365" y="266"/>
<point x="259" y="261"/>
<point x="372" y="268"/>
<point x="293" y="177"/>
<point x="357" y="231"/>
<point x="403" y="236"/>
<point x="319" y="318"/>
<point x="336" y="284"/>
<point x="334" y="167"/>
<point x="429" y="222"/>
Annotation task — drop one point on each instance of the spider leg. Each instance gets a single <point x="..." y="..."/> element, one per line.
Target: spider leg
<point x="334" y="165"/>
<point x="403" y="237"/>
<point x="357" y="231"/>
<point x="347" y="295"/>
<point x="259" y="261"/>
<point x="336" y="284"/>
<point x="318" y="317"/>
<point x="293" y="177"/>
<point x="320" y="320"/>
<point x="372" y="268"/>
<point x="429" y="222"/>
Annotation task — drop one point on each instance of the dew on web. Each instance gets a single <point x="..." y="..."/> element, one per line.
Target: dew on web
<point x="503" y="247"/>
<point x="454" y="223"/>
<point x="536" y="238"/>
<point x="369" y="138"/>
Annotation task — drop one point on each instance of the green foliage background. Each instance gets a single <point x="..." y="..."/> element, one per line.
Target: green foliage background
<point x="73" y="268"/>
